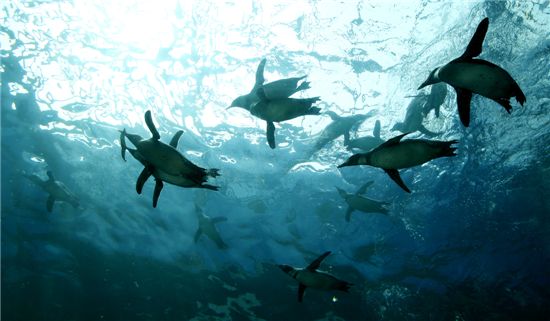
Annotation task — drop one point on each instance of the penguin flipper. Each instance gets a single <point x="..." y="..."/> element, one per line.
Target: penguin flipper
<point x="142" y="178"/>
<point x="463" y="99"/>
<point x="474" y="48"/>
<point x="301" y="290"/>
<point x="158" y="188"/>
<point x="376" y="131"/>
<point x="348" y="213"/>
<point x="260" y="74"/>
<point x="363" y="188"/>
<point x="346" y="138"/>
<point x="270" y="133"/>
<point x="315" y="264"/>
<point x="394" y="175"/>
<point x="49" y="203"/>
<point x="197" y="235"/>
<point x="176" y="138"/>
<point x="151" y="125"/>
<point x="123" y="144"/>
<point x="219" y="219"/>
<point x="393" y="141"/>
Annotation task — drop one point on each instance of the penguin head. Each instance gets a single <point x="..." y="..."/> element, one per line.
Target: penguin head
<point x="241" y="102"/>
<point x="432" y="79"/>
<point x="286" y="268"/>
<point x="356" y="159"/>
<point x="342" y="193"/>
<point x="135" y="139"/>
<point x="398" y="127"/>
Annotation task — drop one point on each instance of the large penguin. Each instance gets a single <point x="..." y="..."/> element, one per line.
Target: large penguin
<point x="280" y="109"/>
<point x="468" y="75"/>
<point x="207" y="226"/>
<point x="311" y="277"/>
<point x="282" y="88"/>
<point x="340" y="125"/>
<point x="57" y="190"/>
<point x="159" y="175"/>
<point x="164" y="162"/>
<point x="395" y="154"/>
<point x="366" y="143"/>
<point x="361" y="203"/>
<point x="414" y="117"/>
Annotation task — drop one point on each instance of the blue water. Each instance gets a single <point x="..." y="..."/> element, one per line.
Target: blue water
<point x="471" y="242"/>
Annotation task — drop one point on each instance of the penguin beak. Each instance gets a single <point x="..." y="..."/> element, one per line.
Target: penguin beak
<point x="353" y="160"/>
<point x="285" y="268"/>
<point x="424" y="84"/>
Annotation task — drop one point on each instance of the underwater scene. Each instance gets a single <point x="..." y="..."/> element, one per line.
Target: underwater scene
<point x="275" y="160"/>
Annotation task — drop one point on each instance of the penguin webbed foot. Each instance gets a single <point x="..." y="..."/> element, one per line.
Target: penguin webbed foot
<point x="505" y="102"/>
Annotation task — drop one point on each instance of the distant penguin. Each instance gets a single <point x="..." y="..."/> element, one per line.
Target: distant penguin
<point x="207" y="226"/>
<point x="395" y="154"/>
<point x="414" y="117"/>
<point x="311" y="277"/>
<point x="437" y="96"/>
<point x="367" y="143"/>
<point x="282" y="88"/>
<point x="468" y="75"/>
<point x="57" y="190"/>
<point x="361" y="203"/>
<point x="165" y="162"/>
<point x="340" y="125"/>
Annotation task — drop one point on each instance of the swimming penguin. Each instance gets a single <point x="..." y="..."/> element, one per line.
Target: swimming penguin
<point x="340" y="125"/>
<point x="395" y="154"/>
<point x="360" y="203"/>
<point x="437" y="96"/>
<point x="57" y="190"/>
<point x="281" y="109"/>
<point x="310" y="277"/>
<point x="165" y="162"/>
<point x="413" y="118"/>
<point x="366" y="143"/>
<point x="207" y="226"/>
<point x="159" y="175"/>
<point x="282" y="88"/>
<point x="468" y="75"/>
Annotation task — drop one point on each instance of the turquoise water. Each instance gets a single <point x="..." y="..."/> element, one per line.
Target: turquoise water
<point x="471" y="242"/>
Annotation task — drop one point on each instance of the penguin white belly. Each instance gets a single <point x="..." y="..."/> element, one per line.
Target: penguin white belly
<point x="487" y="80"/>
<point x="406" y="154"/>
<point x="317" y="280"/>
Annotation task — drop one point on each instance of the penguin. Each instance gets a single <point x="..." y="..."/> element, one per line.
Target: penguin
<point x="57" y="190"/>
<point x="207" y="225"/>
<point x="280" y="109"/>
<point x="311" y="277"/>
<point x="282" y="88"/>
<point x="360" y="203"/>
<point x="395" y="154"/>
<point x="339" y="126"/>
<point x="437" y="96"/>
<point x="164" y="162"/>
<point x="367" y="143"/>
<point x="476" y="76"/>
<point x="159" y="175"/>
<point x="414" y="117"/>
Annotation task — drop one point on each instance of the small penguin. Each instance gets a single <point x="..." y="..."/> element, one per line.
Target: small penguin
<point x="311" y="277"/>
<point x="282" y="88"/>
<point x="468" y="75"/>
<point x="164" y="162"/>
<point x="57" y="190"/>
<point x="340" y="125"/>
<point x="207" y="225"/>
<point x="367" y="143"/>
<point x="437" y="96"/>
<point x="413" y="118"/>
<point x="361" y="203"/>
<point x="395" y="154"/>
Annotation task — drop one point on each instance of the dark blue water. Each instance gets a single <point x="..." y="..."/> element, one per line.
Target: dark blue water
<point x="471" y="242"/>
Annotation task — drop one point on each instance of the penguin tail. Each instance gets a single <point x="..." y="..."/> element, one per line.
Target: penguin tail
<point x="344" y="286"/>
<point x="213" y="172"/>
<point x="445" y="148"/>
<point x="313" y="111"/>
